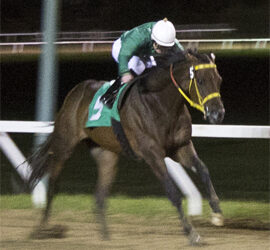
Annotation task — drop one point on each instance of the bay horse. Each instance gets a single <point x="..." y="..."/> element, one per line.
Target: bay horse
<point x="156" y="122"/>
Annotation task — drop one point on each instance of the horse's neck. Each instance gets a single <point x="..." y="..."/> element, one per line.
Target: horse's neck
<point x="159" y="78"/>
<point x="161" y="87"/>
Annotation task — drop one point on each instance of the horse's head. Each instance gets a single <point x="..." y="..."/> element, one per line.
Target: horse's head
<point x="203" y="90"/>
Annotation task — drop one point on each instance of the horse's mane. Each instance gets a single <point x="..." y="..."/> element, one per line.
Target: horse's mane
<point x="202" y="57"/>
<point x="164" y="62"/>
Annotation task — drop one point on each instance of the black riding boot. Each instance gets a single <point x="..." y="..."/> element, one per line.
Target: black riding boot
<point x="109" y="96"/>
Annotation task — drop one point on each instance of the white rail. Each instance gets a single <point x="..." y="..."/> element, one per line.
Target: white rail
<point x="26" y="127"/>
<point x="94" y="45"/>
<point x="231" y="131"/>
<point x="218" y="131"/>
<point x="57" y="43"/>
<point x="222" y="41"/>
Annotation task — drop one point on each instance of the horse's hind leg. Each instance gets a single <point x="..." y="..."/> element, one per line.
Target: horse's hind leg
<point x="61" y="149"/>
<point x="58" y="152"/>
<point x="106" y="161"/>
<point x="188" y="157"/>
<point x="53" y="175"/>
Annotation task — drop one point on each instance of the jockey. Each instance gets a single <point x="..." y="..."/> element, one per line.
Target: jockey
<point x="134" y="51"/>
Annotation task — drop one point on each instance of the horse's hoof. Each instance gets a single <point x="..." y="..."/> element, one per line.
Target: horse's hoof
<point x="105" y="236"/>
<point x="217" y="219"/>
<point x="194" y="238"/>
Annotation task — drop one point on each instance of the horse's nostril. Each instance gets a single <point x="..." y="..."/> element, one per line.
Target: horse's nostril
<point x="216" y="116"/>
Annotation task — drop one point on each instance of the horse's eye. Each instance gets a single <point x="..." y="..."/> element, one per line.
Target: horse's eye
<point x="200" y="82"/>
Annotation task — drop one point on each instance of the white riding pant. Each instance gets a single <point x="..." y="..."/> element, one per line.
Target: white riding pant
<point x="135" y="63"/>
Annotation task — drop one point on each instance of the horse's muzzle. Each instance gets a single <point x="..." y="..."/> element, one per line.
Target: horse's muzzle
<point x="215" y="116"/>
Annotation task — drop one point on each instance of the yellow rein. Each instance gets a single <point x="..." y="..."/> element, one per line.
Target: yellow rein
<point x="202" y="101"/>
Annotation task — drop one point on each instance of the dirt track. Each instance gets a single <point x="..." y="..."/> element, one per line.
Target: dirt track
<point x="128" y="232"/>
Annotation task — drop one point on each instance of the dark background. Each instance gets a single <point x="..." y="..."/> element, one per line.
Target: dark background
<point x="245" y="88"/>
<point x="250" y="17"/>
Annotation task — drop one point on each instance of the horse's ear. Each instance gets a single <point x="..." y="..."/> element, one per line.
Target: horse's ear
<point x="213" y="57"/>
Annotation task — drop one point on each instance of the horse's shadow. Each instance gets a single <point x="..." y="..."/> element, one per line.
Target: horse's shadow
<point x="48" y="232"/>
<point x="234" y="223"/>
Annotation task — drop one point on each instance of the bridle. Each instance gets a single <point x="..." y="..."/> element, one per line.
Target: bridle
<point x="202" y="101"/>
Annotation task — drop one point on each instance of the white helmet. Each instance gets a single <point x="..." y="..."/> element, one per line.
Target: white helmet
<point x="163" y="33"/>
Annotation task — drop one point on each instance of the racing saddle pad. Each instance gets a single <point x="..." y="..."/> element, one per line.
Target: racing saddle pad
<point x="100" y="115"/>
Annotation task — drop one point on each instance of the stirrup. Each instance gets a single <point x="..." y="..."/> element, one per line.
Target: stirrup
<point x="109" y="96"/>
<point x="109" y="102"/>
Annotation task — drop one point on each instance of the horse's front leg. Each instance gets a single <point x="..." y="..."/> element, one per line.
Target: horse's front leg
<point x="188" y="157"/>
<point x="176" y="198"/>
<point x="154" y="156"/>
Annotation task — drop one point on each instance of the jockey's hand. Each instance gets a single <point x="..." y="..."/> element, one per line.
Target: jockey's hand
<point x="127" y="77"/>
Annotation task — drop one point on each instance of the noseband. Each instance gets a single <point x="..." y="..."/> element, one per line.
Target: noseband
<point x="202" y="101"/>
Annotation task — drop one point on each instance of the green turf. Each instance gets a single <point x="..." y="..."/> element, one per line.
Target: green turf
<point x="147" y="206"/>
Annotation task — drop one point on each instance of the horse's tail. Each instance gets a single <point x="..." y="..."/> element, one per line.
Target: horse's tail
<point x="39" y="161"/>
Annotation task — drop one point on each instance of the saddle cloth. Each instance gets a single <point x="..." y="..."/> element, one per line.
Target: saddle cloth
<point x="100" y="115"/>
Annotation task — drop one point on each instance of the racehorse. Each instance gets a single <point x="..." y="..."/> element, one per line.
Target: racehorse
<point x="156" y="124"/>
